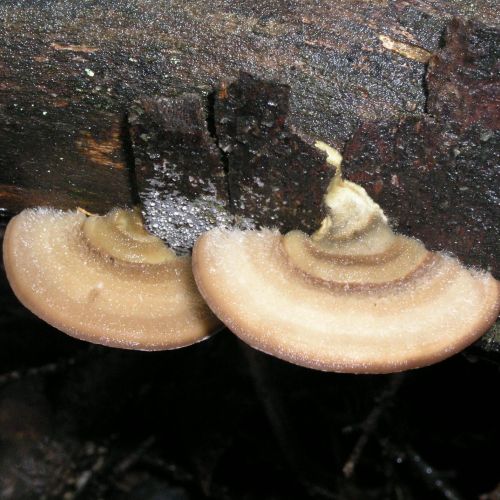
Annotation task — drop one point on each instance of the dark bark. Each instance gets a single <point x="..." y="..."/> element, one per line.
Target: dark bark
<point x="180" y="178"/>
<point x="436" y="174"/>
<point x="69" y="71"/>
<point x="275" y="177"/>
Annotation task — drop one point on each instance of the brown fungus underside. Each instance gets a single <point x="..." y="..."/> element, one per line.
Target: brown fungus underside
<point x="104" y="279"/>
<point x="353" y="297"/>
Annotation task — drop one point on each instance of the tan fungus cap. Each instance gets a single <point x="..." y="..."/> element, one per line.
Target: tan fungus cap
<point x="104" y="279"/>
<point x="353" y="297"/>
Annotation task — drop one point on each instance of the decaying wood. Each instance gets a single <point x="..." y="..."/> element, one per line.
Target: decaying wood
<point x="251" y="169"/>
<point x="180" y="177"/>
<point x="69" y="71"/>
<point x="275" y="177"/>
<point x="436" y="174"/>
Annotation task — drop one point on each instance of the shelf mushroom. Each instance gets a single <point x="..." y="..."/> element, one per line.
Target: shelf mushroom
<point x="104" y="279"/>
<point x="353" y="297"/>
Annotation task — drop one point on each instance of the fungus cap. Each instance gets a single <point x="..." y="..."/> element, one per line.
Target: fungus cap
<point x="353" y="297"/>
<point x="104" y="279"/>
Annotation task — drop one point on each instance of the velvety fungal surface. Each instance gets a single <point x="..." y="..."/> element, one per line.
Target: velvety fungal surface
<point x="104" y="280"/>
<point x="353" y="297"/>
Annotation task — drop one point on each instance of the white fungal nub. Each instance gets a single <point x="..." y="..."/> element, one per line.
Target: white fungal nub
<point x="354" y="297"/>
<point x="102" y="285"/>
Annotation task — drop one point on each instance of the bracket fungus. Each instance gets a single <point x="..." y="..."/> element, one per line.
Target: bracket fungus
<point x="104" y="279"/>
<point x="353" y="297"/>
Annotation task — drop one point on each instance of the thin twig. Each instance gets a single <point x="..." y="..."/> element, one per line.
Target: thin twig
<point x="370" y="423"/>
<point x="132" y="458"/>
<point x="431" y="477"/>
<point x="53" y="367"/>
<point x="272" y="404"/>
<point x="433" y="480"/>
